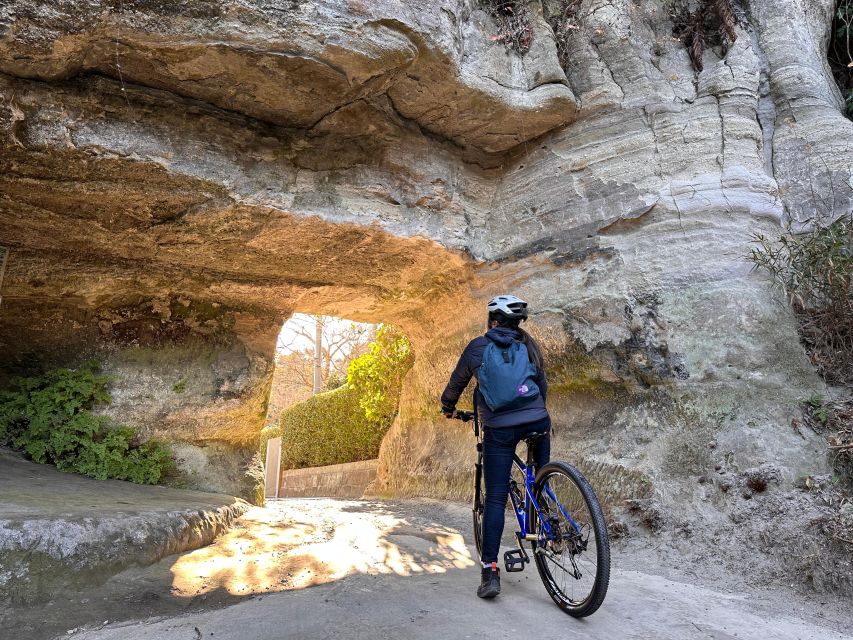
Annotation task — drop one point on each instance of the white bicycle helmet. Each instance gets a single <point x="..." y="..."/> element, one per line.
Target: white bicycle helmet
<point x="509" y="306"/>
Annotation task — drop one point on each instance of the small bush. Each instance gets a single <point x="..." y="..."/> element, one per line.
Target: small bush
<point x="377" y="376"/>
<point x="50" y="418"/>
<point x="705" y="24"/>
<point x="815" y="271"/>
<point x="348" y="423"/>
<point x="328" y="428"/>
<point x="513" y="20"/>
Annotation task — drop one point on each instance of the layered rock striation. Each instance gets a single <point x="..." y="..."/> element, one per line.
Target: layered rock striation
<point x="177" y="180"/>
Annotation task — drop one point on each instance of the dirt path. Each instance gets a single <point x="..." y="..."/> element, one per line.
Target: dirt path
<point x="393" y="570"/>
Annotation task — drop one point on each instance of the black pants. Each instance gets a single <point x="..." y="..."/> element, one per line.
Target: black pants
<point x="498" y="448"/>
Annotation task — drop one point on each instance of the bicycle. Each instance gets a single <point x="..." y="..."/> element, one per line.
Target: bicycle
<point x="560" y="516"/>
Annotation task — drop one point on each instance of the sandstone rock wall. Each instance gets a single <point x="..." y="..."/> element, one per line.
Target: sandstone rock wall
<point x="177" y="180"/>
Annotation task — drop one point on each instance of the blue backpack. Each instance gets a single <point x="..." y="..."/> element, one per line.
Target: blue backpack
<point x="506" y="376"/>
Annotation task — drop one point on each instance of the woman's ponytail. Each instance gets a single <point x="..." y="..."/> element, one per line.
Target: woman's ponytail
<point x="533" y="350"/>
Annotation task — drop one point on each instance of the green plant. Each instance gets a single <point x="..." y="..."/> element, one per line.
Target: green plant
<point x="377" y="375"/>
<point x="819" y="412"/>
<point x="50" y="418"/>
<point x="814" y="270"/>
<point x="113" y="453"/>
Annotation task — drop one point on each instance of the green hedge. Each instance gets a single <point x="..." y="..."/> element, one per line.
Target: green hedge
<point x="348" y="423"/>
<point x="329" y="428"/>
<point x="49" y="418"/>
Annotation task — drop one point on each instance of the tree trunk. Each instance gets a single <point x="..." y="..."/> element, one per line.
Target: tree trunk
<point x="318" y="354"/>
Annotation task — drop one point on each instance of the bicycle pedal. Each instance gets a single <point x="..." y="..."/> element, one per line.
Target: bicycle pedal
<point x="515" y="560"/>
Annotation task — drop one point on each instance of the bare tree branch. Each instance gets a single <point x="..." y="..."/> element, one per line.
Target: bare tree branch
<point x="339" y="344"/>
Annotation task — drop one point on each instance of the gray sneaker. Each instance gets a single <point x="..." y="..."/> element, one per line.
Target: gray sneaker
<point x="490" y="583"/>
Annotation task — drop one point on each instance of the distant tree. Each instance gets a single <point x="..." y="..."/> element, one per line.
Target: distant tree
<point x="334" y="381"/>
<point x="288" y="383"/>
<point x="377" y="375"/>
<point x="321" y="346"/>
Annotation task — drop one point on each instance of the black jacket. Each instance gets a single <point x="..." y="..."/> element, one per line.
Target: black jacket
<point x="468" y="365"/>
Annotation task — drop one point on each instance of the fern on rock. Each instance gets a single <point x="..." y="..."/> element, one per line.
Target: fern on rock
<point x="50" y="419"/>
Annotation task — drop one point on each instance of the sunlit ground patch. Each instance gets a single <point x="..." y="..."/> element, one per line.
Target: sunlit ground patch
<point x="286" y="546"/>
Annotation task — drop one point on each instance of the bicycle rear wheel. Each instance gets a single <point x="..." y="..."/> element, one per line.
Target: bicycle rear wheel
<point x="477" y="512"/>
<point x="574" y="561"/>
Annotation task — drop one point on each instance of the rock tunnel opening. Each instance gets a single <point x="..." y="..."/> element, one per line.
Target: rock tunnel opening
<point x="334" y="394"/>
<point x="312" y="355"/>
<point x="184" y="313"/>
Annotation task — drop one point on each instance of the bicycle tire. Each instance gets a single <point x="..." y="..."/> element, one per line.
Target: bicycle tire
<point x="591" y="602"/>
<point x="478" y="532"/>
<point x="477" y="513"/>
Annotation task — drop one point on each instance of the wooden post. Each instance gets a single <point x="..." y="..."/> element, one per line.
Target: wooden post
<point x="272" y="471"/>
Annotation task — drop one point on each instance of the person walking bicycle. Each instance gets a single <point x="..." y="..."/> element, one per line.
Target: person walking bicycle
<point x="510" y="402"/>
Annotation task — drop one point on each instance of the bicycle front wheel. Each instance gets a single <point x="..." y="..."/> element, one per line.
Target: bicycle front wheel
<point x="477" y="511"/>
<point x="572" y="552"/>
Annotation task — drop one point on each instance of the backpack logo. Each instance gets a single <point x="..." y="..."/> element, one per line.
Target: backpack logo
<point x="506" y="376"/>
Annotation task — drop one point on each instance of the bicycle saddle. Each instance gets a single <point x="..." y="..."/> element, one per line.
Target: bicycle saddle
<point x="533" y="438"/>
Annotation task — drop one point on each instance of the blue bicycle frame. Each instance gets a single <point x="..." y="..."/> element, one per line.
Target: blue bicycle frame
<point x="557" y="541"/>
<point x="525" y="506"/>
<point x="528" y="505"/>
